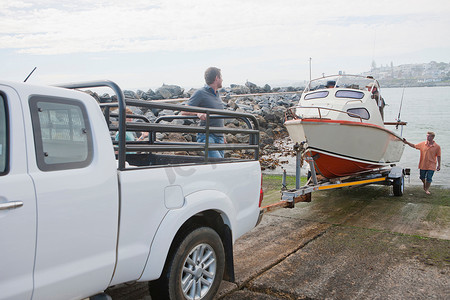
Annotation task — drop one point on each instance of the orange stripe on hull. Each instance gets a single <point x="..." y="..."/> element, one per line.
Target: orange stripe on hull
<point x="332" y="167"/>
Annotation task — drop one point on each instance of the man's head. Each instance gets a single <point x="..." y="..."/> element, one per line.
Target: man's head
<point x="331" y="84"/>
<point x="430" y="136"/>
<point x="213" y="76"/>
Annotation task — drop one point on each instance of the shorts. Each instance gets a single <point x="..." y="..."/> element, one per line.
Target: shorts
<point x="427" y="175"/>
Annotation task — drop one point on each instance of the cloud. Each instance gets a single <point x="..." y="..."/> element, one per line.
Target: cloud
<point x="49" y="27"/>
<point x="249" y="39"/>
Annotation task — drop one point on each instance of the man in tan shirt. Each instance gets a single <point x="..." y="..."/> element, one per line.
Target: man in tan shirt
<point x="430" y="153"/>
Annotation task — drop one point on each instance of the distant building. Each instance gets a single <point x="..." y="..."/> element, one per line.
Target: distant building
<point x="411" y="74"/>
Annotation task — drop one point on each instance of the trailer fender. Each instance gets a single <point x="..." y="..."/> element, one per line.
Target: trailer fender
<point x="396" y="172"/>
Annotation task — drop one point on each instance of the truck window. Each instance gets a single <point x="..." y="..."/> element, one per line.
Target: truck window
<point x="62" y="134"/>
<point x="3" y="137"/>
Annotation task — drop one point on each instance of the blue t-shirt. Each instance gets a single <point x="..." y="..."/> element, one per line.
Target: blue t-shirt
<point x="205" y="97"/>
<point x="129" y="136"/>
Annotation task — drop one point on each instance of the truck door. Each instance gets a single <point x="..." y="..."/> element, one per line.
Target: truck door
<point x="75" y="176"/>
<point x="17" y="204"/>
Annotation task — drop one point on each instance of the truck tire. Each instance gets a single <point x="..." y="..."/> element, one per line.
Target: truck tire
<point x="399" y="186"/>
<point x="194" y="269"/>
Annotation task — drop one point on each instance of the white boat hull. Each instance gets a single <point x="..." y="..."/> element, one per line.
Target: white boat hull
<point x="346" y="147"/>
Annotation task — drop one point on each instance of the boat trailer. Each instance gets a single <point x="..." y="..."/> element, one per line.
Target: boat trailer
<point x="390" y="175"/>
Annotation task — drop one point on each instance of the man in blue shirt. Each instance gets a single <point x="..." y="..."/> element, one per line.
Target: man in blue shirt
<point x="209" y="97"/>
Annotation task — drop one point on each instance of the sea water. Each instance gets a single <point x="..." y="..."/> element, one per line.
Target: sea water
<point x="424" y="109"/>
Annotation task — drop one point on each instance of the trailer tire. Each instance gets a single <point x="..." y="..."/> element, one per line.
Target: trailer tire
<point x="194" y="269"/>
<point x="399" y="186"/>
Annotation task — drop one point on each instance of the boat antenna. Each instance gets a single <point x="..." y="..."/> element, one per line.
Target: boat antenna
<point x="309" y="84"/>
<point x="29" y="74"/>
<point x="310" y="59"/>
<point x="400" y="110"/>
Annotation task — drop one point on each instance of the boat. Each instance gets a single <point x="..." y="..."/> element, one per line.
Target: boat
<point x="339" y="121"/>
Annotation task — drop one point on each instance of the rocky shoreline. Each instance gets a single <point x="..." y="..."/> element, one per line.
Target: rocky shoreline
<point x="267" y="104"/>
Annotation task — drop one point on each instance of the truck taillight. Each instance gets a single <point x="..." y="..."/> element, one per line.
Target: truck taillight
<point x="261" y="193"/>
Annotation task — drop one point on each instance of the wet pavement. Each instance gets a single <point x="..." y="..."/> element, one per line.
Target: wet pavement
<point x="360" y="243"/>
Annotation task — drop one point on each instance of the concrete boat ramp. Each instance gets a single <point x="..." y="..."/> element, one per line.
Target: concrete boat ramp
<point x="352" y="243"/>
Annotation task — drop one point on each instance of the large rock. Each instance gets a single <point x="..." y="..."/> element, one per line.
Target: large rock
<point x="130" y="94"/>
<point x="232" y="104"/>
<point x="262" y="121"/>
<point x="95" y="96"/>
<point x="170" y="91"/>
<point x="239" y="89"/>
<point x="150" y="116"/>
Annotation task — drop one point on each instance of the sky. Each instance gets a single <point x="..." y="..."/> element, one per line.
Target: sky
<point x="142" y="44"/>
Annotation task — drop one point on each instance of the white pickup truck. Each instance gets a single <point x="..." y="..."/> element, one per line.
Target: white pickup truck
<point x="80" y="211"/>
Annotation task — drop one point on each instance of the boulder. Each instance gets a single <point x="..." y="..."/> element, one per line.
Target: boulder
<point x="232" y="104"/>
<point x="262" y="121"/>
<point x="175" y="137"/>
<point x="231" y="139"/>
<point x="130" y="94"/>
<point x="150" y="116"/>
<point x="254" y="88"/>
<point x="239" y="89"/>
<point x="265" y="139"/>
<point x="170" y="91"/>
<point x="242" y="138"/>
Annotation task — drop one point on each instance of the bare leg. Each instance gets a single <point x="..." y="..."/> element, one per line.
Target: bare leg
<point x="427" y="187"/>
<point x="424" y="185"/>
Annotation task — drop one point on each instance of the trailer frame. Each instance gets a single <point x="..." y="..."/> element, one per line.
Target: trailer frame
<point x="390" y="175"/>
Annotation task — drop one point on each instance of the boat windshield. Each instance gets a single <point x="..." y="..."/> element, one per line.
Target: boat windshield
<point x="354" y="82"/>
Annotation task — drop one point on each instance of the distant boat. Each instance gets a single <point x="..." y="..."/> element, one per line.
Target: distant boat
<point x="340" y="119"/>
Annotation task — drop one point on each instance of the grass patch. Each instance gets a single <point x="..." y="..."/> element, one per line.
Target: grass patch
<point x="272" y="187"/>
<point x="273" y="182"/>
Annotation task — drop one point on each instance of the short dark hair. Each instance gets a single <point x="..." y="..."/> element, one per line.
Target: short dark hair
<point x="211" y="73"/>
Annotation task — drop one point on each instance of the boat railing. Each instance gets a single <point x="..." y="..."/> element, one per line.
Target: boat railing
<point x="348" y="81"/>
<point x="290" y="113"/>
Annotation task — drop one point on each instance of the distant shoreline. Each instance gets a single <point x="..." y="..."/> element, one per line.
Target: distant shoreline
<point x="446" y="84"/>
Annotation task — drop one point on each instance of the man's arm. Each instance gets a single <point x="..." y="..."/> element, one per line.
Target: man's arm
<point x="408" y="143"/>
<point x="201" y="116"/>
<point x="195" y="100"/>
<point x="438" y="163"/>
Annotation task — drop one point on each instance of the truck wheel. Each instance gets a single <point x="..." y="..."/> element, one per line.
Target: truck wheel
<point x="195" y="268"/>
<point x="399" y="186"/>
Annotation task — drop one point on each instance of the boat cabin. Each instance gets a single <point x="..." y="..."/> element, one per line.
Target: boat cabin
<point x="342" y="97"/>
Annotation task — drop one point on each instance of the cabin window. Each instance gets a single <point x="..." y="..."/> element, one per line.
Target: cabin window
<point x="3" y="137"/>
<point x="358" y="113"/>
<point x="316" y="95"/>
<point x="349" y="94"/>
<point x="62" y="134"/>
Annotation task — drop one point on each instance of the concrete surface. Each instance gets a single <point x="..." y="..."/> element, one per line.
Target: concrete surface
<point x="346" y="244"/>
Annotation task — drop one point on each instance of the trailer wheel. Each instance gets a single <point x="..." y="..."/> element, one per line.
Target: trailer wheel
<point x="194" y="269"/>
<point x="399" y="186"/>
